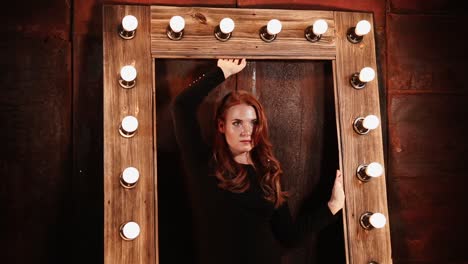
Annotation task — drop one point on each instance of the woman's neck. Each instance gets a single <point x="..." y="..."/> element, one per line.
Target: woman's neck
<point x="243" y="158"/>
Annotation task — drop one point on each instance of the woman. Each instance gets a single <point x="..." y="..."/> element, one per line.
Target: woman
<point x="241" y="211"/>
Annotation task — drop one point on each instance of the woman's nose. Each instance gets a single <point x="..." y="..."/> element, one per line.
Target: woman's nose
<point x="247" y="129"/>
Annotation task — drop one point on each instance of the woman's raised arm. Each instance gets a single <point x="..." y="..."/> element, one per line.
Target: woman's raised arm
<point x="185" y="106"/>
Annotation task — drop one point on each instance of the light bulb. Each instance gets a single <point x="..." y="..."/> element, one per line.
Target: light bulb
<point x="226" y="25"/>
<point x="320" y="27"/>
<point x="129" y="23"/>
<point x="130" y="124"/>
<point x="130" y="231"/>
<point x="366" y="74"/>
<point x="177" y="23"/>
<point x="128" y="73"/>
<point x="274" y="27"/>
<point x="362" y="28"/>
<point x="377" y="220"/>
<point x="374" y="169"/>
<point x="371" y="122"/>
<point x="130" y="176"/>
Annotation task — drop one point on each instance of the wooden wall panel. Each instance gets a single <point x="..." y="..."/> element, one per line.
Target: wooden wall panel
<point x="418" y="61"/>
<point x="428" y="178"/>
<point x="35" y="161"/>
<point x="36" y="132"/>
<point x="199" y="41"/>
<point x="362" y="246"/>
<point x="427" y="132"/>
<point x="87" y="149"/>
<point x="138" y="204"/>
<point x="36" y="19"/>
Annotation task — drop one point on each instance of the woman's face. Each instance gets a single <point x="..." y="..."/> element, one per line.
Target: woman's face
<point x="238" y="127"/>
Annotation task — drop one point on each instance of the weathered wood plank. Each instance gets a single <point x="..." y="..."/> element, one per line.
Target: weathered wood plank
<point x="428" y="179"/>
<point x="138" y="204"/>
<point x="363" y="246"/>
<point x="87" y="147"/>
<point x="36" y="157"/>
<point x="420" y="58"/>
<point x="199" y="41"/>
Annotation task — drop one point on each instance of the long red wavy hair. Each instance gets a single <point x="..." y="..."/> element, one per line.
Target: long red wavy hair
<point x="231" y="175"/>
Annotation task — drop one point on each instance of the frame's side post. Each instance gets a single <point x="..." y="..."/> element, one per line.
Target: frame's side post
<point x="137" y="204"/>
<point x="340" y="158"/>
<point x="363" y="246"/>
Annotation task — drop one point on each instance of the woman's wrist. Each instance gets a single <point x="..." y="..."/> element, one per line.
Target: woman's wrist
<point x="225" y="72"/>
<point x="333" y="207"/>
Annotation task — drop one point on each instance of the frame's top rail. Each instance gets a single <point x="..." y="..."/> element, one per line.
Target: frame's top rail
<point x="200" y="23"/>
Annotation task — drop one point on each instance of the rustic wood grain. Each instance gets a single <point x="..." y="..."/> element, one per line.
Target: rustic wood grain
<point x="427" y="161"/>
<point x="199" y="41"/>
<point x="87" y="148"/>
<point x="137" y="204"/>
<point x="418" y="61"/>
<point x="36" y="155"/>
<point x="363" y="246"/>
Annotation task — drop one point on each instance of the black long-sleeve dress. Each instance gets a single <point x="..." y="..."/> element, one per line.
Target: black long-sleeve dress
<point x="233" y="227"/>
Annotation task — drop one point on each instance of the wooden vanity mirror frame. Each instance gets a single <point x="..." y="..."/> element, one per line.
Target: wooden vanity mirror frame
<point x="150" y="43"/>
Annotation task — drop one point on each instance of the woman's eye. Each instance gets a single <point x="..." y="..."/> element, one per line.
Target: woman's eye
<point x="236" y="123"/>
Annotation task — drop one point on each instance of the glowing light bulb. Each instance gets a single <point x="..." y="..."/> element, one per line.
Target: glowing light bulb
<point x="226" y="25"/>
<point x="177" y="23"/>
<point x="366" y="74"/>
<point x="130" y="124"/>
<point x="374" y="169"/>
<point x="362" y="28"/>
<point x="320" y="27"/>
<point x="130" y="176"/>
<point x="377" y="220"/>
<point x="128" y="73"/>
<point x="371" y="122"/>
<point x="130" y="231"/>
<point x="274" y="27"/>
<point x="129" y="23"/>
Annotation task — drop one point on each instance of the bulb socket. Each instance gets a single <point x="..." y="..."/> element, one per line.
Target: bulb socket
<point x="265" y="36"/>
<point x="220" y="35"/>
<point x="361" y="173"/>
<point x="359" y="127"/>
<point x="174" y="35"/>
<point x="356" y="82"/>
<point x="127" y="85"/>
<point x="352" y="37"/>
<point x="310" y="35"/>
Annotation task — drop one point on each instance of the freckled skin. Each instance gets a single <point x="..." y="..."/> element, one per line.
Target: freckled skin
<point x="238" y="126"/>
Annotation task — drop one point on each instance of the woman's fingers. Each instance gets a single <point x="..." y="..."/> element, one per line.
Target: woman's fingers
<point x="243" y="62"/>
<point x="339" y="177"/>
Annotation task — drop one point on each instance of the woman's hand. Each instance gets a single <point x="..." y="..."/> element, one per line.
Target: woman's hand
<point x="337" y="198"/>
<point x="231" y="66"/>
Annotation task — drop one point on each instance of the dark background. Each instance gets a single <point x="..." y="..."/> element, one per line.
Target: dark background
<point x="51" y="125"/>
